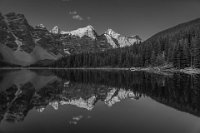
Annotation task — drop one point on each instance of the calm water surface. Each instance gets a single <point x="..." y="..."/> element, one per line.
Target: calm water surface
<point x="73" y="101"/>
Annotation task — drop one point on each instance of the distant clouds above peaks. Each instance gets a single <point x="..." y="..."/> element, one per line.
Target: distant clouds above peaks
<point x="78" y="17"/>
<point x="73" y="13"/>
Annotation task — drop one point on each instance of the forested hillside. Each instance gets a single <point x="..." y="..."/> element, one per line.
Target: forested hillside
<point x="179" y="46"/>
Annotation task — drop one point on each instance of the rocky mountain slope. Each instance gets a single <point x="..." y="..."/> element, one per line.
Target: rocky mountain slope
<point x="117" y="40"/>
<point x="23" y="44"/>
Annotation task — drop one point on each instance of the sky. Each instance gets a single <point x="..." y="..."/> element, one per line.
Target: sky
<point x="127" y="17"/>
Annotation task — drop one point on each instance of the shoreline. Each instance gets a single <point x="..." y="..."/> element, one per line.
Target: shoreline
<point x="164" y="70"/>
<point x="158" y="70"/>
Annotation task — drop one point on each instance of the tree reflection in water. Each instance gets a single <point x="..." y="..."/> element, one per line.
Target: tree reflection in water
<point x="23" y="90"/>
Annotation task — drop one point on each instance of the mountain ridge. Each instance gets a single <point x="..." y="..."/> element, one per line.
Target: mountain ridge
<point x="177" y="47"/>
<point x="25" y="43"/>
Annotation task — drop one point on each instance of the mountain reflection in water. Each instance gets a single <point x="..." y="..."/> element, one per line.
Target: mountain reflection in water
<point x="26" y="93"/>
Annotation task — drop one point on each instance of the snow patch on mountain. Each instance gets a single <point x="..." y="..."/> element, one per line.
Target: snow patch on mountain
<point x="55" y="30"/>
<point x="122" y="41"/>
<point x="112" y="33"/>
<point x="41" y="26"/>
<point x="110" y="41"/>
<point x="86" y="31"/>
<point x="134" y="39"/>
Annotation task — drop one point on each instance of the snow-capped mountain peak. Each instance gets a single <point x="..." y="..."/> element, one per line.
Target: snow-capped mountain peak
<point x="90" y="27"/>
<point x="40" y="26"/>
<point x="134" y="39"/>
<point x="85" y="31"/>
<point x="55" y="30"/>
<point x="112" y="33"/>
<point x="110" y="41"/>
<point x="117" y="40"/>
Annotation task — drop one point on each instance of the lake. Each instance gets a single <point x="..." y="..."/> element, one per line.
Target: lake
<point x="73" y="101"/>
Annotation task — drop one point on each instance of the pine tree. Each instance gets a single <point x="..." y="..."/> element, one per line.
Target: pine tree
<point x="197" y="53"/>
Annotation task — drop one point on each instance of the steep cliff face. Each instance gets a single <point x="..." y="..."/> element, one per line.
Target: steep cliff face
<point x="21" y="44"/>
<point x="20" y="31"/>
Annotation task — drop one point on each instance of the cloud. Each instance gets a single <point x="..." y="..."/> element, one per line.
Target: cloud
<point x="77" y="17"/>
<point x="88" y="18"/>
<point x="73" y="12"/>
